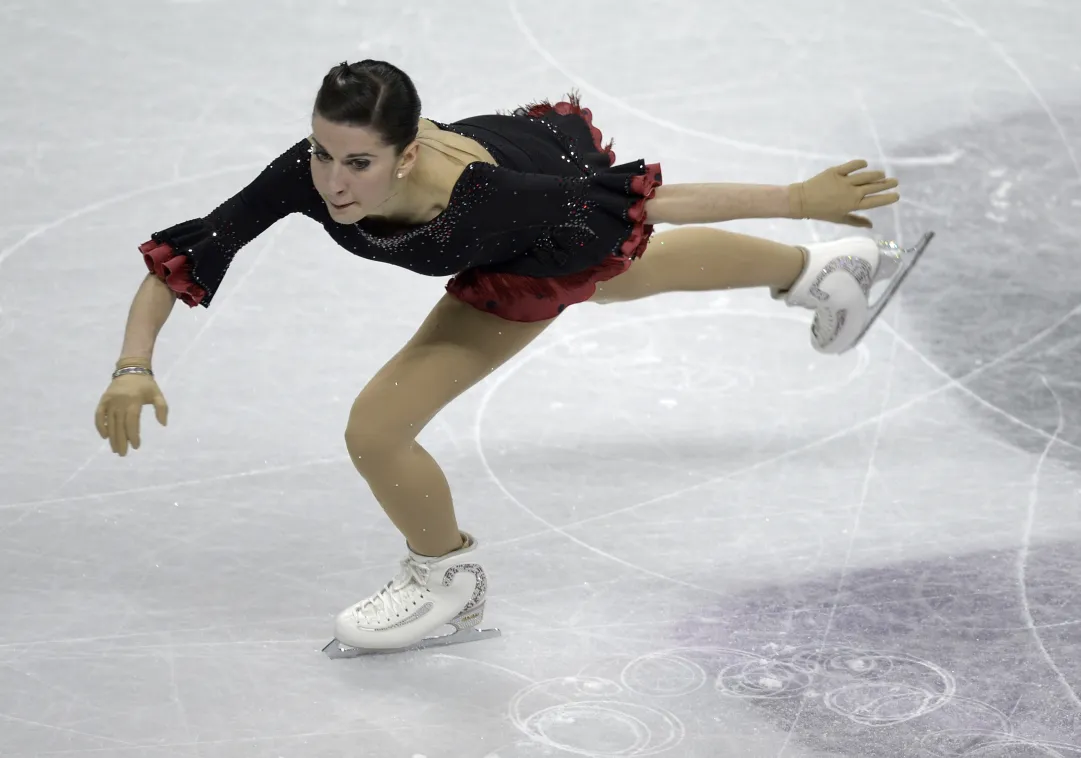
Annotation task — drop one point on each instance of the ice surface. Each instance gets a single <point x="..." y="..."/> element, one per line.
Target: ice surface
<point x="703" y="539"/>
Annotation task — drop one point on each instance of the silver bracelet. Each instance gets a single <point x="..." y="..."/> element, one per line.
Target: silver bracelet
<point x="132" y="370"/>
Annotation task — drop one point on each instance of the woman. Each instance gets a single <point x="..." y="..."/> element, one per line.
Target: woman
<point x="529" y="214"/>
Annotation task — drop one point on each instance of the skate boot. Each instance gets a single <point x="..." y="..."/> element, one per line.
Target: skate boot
<point x="836" y="284"/>
<point x="427" y="595"/>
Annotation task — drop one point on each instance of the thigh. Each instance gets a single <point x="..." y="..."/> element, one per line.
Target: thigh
<point x="455" y="347"/>
<point x="643" y="274"/>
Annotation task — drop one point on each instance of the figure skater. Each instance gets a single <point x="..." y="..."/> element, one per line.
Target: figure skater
<point x="527" y="213"/>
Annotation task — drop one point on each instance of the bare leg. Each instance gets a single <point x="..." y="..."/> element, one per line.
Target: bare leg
<point x="702" y="258"/>
<point x="455" y="348"/>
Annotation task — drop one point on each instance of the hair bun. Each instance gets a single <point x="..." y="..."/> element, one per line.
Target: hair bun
<point x="372" y="93"/>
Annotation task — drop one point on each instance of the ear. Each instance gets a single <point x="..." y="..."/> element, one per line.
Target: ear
<point x="408" y="157"/>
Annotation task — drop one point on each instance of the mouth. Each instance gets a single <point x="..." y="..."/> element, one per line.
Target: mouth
<point x="340" y="207"/>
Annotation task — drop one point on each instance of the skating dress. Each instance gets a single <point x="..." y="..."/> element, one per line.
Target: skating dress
<point x="522" y="239"/>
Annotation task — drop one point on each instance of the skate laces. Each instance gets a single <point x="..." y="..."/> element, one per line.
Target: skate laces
<point x="396" y="597"/>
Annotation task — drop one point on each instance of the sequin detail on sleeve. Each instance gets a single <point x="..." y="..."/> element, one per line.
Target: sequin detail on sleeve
<point x="193" y="256"/>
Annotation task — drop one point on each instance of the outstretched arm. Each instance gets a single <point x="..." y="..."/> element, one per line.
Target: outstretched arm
<point x="148" y="313"/>
<point x="834" y="195"/>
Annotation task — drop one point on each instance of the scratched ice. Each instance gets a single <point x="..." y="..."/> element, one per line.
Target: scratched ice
<point x="703" y="539"/>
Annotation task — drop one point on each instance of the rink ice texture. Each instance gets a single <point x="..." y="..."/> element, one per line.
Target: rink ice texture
<point x="702" y="538"/>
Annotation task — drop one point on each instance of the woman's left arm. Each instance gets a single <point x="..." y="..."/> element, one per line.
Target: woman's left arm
<point x="834" y="195"/>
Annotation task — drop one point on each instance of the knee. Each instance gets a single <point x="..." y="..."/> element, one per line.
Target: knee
<point x="371" y="434"/>
<point x="362" y="443"/>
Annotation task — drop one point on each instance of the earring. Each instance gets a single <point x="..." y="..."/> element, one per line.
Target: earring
<point x="399" y="174"/>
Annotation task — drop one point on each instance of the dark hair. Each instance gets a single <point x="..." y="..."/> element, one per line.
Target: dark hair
<point x="373" y="94"/>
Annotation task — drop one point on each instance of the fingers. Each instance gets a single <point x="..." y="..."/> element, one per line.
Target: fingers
<point x="99" y="420"/>
<point x="853" y="220"/>
<point x="117" y="439"/>
<point x="161" y="409"/>
<point x="851" y="166"/>
<point x="131" y="425"/>
<point x="877" y="201"/>
<point x="866" y="177"/>
<point x="881" y="186"/>
<point x="118" y="418"/>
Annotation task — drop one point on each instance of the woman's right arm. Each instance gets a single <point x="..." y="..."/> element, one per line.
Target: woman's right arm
<point x="117" y="414"/>
<point x="149" y="311"/>
<point x="187" y="262"/>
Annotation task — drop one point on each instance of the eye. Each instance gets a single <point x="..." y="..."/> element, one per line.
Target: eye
<point x="322" y="156"/>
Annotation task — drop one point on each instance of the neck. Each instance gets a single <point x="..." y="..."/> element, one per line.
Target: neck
<point x="415" y="198"/>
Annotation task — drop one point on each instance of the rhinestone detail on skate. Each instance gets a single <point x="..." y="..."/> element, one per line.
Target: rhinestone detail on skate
<point x="478" y="574"/>
<point x="890" y="260"/>
<point x="857" y="267"/>
<point x="828" y="323"/>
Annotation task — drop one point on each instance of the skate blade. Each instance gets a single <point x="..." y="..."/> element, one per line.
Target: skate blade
<point x="338" y="649"/>
<point x="895" y="282"/>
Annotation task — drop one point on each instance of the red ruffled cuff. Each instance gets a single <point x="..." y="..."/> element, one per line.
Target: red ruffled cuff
<point x="173" y="270"/>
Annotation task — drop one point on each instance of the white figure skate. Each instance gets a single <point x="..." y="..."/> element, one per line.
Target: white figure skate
<point x="836" y="284"/>
<point x="427" y="595"/>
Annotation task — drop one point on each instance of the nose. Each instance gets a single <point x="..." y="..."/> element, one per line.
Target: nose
<point x="335" y="179"/>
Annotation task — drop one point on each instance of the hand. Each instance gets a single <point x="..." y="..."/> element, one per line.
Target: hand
<point x="117" y="415"/>
<point x="834" y="194"/>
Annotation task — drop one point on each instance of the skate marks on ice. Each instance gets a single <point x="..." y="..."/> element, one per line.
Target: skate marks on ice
<point x="616" y="714"/>
<point x="978" y="684"/>
<point x="1007" y="213"/>
<point x="594" y="716"/>
<point x="928" y="658"/>
<point x="779" y="149"/>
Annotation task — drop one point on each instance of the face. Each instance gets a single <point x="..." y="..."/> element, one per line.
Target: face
<point x="354" y="172"/>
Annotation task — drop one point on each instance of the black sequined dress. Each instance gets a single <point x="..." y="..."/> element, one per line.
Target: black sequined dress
<point x="522" y="239"/>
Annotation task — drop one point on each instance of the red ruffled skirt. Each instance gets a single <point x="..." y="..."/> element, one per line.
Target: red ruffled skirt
<point x="516" y="297"/>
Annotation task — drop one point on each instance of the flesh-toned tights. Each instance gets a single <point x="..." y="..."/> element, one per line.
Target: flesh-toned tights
<point x="457" y="346"/>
